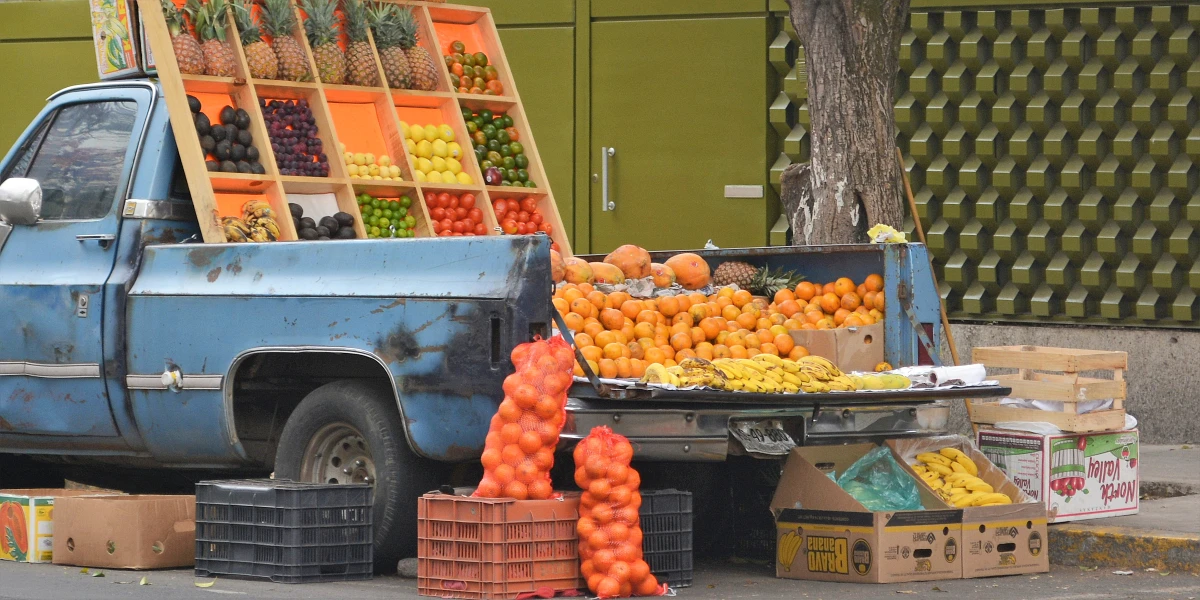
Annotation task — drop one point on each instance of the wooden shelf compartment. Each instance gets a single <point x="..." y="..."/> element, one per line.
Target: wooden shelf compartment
<point x="231" y="203"/>
<point x="368" y="124"/>
<point x="429" y="110"/>
<point x="477" y="31"/>
<point x="320" y="111"/>
<point x="480" y="202"/>
<point x="422" y="227"/>
<point x="318" y="204"/>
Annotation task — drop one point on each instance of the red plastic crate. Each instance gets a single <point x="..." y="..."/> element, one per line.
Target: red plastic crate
<point x="480" y="548"/>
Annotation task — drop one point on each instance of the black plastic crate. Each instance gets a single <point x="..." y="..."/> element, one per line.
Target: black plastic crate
<point x="284" y="531"/>
<point x="666" y="518"/>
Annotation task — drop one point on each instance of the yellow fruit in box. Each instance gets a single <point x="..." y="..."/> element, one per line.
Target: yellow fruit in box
<point x="424" y="149"/>
<point x="439" y="149"/>
<point x="424" y="166"/>
<point x="465" y="179"/>
<point x="370" y="158"/>
<point x="416" y="133"/>
<point x="448" y="177"/>
<point x="431" y="132"/>
<point x="445" y="133"/>
<point x="360" y="159"/>
<point x="373" y="170"/>
<point x="454" y="149"/>
<point x="349" y="156"/>
<point x="352" y="170"/>
<point x="439" y="163"/>
<point x="404" y="130"/>
<point x="433" y="177"/>
<point x="394" y="171"/>
<point x="384" y="161"/>
<point x="410" y="145"/>
<point x="419" y="176"/>
<point x="453" y="166"/>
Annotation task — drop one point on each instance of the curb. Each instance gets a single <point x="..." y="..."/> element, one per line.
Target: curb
<point x="1125" y="548"/>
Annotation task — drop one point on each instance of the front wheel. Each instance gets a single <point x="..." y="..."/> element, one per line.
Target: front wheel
<point x="350" y="432"/>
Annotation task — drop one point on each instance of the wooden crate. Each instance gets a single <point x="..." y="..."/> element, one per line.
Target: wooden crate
<point x="1053" y="374"/>
<point x="342" y="108"/>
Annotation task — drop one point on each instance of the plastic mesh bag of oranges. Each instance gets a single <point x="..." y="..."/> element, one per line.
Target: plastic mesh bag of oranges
<point x="519" y="451"/>
<point x="610" y="532"/>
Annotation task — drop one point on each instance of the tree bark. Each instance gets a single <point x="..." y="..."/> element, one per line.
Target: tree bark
<point x="852" y="51"/>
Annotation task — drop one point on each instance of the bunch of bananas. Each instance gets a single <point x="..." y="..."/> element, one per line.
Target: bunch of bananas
<point x="768" y="374"/>
<point x="257" y="224"/>
<point x="789" y="545"/>
<point x="955" y="478"/>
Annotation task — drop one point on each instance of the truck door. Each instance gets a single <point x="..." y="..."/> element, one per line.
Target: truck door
<point x="81" y="151"/>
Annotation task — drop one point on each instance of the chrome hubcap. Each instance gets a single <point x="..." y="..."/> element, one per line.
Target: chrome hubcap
<point x="338" y="453"/>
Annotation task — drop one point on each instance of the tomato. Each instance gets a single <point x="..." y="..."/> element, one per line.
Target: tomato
<point x="496" y="87"/>
<point x="447" y="200"/>
<point x="529" y="204"/>
<point x="546" y="228"/>
<point x="480" y="229"/>
<point x="468" y="224"/>
<point x="446" y="224"/>
<point x="464" y="81"/>
<point x="509" y="226"/>
<point x="553" y="245"/>
<point x="438" y="213"/>
<point x="513" y="205"/>
<point x="466" y="200"/>
<point x="523" y="228"/>
<point x="457" y="227"/>
<point x="501" y="208"/>
<point x="444" y="233"/>
<point x="512" y="134"/>
<point x="536" y="218"/>
<point x="475" y="215"/>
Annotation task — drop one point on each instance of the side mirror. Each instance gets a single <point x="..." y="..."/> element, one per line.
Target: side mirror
<point x="20" y="201"/>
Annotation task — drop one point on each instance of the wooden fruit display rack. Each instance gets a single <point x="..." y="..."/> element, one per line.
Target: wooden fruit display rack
<point x="1053" y="374"/>
<point x="366" y="114"/>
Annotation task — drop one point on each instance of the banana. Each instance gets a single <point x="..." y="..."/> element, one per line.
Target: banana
<point x="656" y="373"/>
<point x="941" y="470"/>
<point x="991" y="498"/>
<point x="270" y="225"/>
<point x="967" y="464"/>
<point x="752" y="364"/>
<point x="259" y="234"/>
<point x="789" y="388"/>
<point x="936" y="484"/>
<point x="950" y="453"/>
<point x="735" y="385"/>
<point x="769" y="359"/>
<point x="958" y="477"/>
<point x="792" y="379"/>
<point x="931" y="458"/>
<point x="235" y="234"/>
<point x="920" y="469"/>
<point x="789" y="545"/>
<point x="979" y="486"/>
<point x="957" y="468"/>
<point x="966" y="500"/>
<point x="773" y="376"/>
<point x="791" y="366"/>
<point x="257" y="209"/>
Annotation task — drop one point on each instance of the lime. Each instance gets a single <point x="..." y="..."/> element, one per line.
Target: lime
<point x="490" y="131"/>
<point x="495" y="158"/>
<point x="375" y="231"/>
<point x="375" y="202"/>
<point x="502" y="135"/>
<point x="472" y="127"/>
<point x="467" y="114"/>
<point x="372" y="220"/>
<point x="506" y="150"/>
<point x="486" y="164"/>
<point x="410" y="221"/>
<point x="479" y="121"/>
<point x="458" y="47"/>
<point x="384" y="222"/>
<point x="479" y="73"/>
<point x="530" y="184"/>
<point x="405" y="201"/>
<point x="480" y="59"/>
<point x="509" y="162"/>
<point x="522" y="175"/>
<point x="506" y="183"/>
<point x="401" y="212"/>
<point x="486" y="115"/>
<point x="522" y="160"/>
<point x="494" y="145"/>
<point x="517" y="147"/>
<point x="510" y="175"/>
<point x="467" y="60"/>
<point x="378" y="212"/>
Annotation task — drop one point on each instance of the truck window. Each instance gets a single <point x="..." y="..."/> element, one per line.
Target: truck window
<point x="79" y="158"/>
<point x="179" y="186"/>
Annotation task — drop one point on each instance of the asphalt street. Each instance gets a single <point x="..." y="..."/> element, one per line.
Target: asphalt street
<point x="714" y="580"/>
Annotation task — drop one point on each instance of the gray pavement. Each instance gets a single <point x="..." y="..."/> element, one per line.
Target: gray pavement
<point x="714" y="580"/>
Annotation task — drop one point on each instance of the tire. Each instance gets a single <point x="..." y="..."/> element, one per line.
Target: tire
<point x="400" y="477"/>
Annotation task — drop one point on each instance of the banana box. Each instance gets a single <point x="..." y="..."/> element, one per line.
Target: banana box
<point x="1005" y="534"/>
<point x="850" y="348"/>
<point x="823" y="533"/>
<point x="27" y="523"/>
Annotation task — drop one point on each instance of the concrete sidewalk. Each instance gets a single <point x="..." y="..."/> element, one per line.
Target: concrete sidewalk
<point x="1164" y="535"/>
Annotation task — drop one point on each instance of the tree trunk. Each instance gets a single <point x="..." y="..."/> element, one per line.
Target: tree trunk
<point x="852" y="181"/>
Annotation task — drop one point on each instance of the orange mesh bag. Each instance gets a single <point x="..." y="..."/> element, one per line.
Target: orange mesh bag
<point x="610" y="533"/>
<point x="519" y="451"/>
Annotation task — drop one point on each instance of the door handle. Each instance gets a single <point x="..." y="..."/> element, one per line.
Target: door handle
<point x="105" y="239"/>
<point x="605" y="203"/>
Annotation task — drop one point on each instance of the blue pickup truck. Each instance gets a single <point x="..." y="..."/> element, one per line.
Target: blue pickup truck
<point x="127" y="346"/>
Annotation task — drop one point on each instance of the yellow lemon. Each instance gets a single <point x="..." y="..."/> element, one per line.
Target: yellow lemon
<point x="349" y="156"/>
<point x="410" y="146"/>
<point x="419" y="176"/>
<point x="448" y="176"/>
<point x="373" y="170"/>
<point x="424" y="149"/>
<point x="424" y="166"/>
<point x="404" y="130"/>
<point x="439" y="149"/>
<point x="465" y="179"/>
<point x="416" y="133"/>
<point x="453" y="166"/>
<point x="384" y="161"/>
<point x="446" y="133"/>
<point x="360" y="159"/>
<point x="394" y="171"/>
<point x="433" y="177"/>
<point x="439" y="163"/>
<point x="370" y="158"/>
<point x="431" y="132"/>
<point x="454" y="150"/>
<point x="352" y="170"/>
<point x="377" y="178"/>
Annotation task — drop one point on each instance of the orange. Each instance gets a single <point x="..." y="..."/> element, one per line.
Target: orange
<point x="752" y="352"/>
<point x="725" y="292"/>
<point x="802" y="304"/>
<point x="824" y="324"/>
<point x="720" y="351"/>
<point x="829" y="288"/>
<point x="679" y="341"/>
<point x="605" y="338"/>
<point x="738" y="352"/>
<point x="685" y="353"/>
<point x="852" y="321"/>
<point x="643" y="330"/>
<point x="880" y="304"/>
<point x="783" y="296"/>
<point x="812" y="316"/>
<point x="723" y="301"/>
<point x="698" y="312"/>
<point x="874" y="282"/>
<point x="624" y="368"/>
<point x="851" y="301"/>
<point x="668" y="306"/>
<point x="874" y="312"/>
<point x="571" y="295"/>
<point x="579" y="370"/>
<point x="608" y="368"/>
<point x="867" y="319"/>
<point x="747" y="320"/>
<point x="752" y="341"/>
<point x="761" y="303"/>
<point x="711" y="328"/>
<point x="592" y="353"/>
<point x="582" y="307"/>
<point x="731" y="312"/>
<point x="736" y="338"/>
<point x="654" y="355"/>
<point x="807" y="326"/>
<point x="704" y="350"/>
<point x="805" y="290"/>
<point x="763" y="323"/>
<point x="684" y="302"/>
<point x="769" y="348"/>
<point x="791" y="324"/>
<point x="615" y="350"/>
<point x="574" y="322"/>
<point x="797" y="353"/>
<point x="764" y="335"/>
<point x="788" y="308"/>
<point x="868" y="300"/>
<point x="840" y="315"/>
<point x="697" y="336"/>
<point x="562" y="306"/>
<point x="583" y="340"/>
<point x="586" y="288"/>
<point x="668" y="353"/>
<point x="784" y="343"/>
<point x="830" y="303"/>
<point x="778" y="330"/>
<point x="683" y="317"/>
<point x="627" y="330"/>
<point x="645" y="342"/>
<point x="596" y="298"/>
<point x="697" y="298"/>
<point x="862" y="310"/>
<point x="631" y="308"/>
<point x="611" y="318"/>
<point x="681" y="328"/>
<point x="636" y="350"/>
<point x="592" y="327"/>
<point x="647" y="316"/>
<point x="639" y="368"/>
<point x="742" y="298"/>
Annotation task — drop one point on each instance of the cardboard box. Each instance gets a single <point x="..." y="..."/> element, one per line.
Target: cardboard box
<point x="1076" y="476"/>
<point x="850" y="348"/>
<point x="840" y="540"/>
<point x="27" y="523"/>
<point x="1007" y="539"/>
<point x="116" y="35"/>
<point x="125" y="532"/>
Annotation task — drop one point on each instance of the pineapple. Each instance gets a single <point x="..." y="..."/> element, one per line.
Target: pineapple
<point x="259" y="55"/>
<point x="322" y="29"/>
<point x="424" y="70"/>
<point x="760" y="282"/>
<point x="387" y="41"/>
<point x="187" y="50"/>
<point x="360" y="59"/>
<point x="279" y="19"/>
<point x="210" y="20"/>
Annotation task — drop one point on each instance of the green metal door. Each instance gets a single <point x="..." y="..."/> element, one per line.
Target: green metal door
<point x="681" y="102"/>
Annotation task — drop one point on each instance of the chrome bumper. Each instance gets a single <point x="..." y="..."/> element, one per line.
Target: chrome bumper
<point x="667" y="433"/>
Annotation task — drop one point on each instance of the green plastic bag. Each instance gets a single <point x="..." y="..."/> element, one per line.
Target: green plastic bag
<point x="879" y="483"/>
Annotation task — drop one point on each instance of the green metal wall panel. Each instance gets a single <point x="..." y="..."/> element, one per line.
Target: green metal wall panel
<point x="44" y="46"/>
<point x="543" y="64"/>
<point x="529" y="12"/>
<point x="1054" y="158"/>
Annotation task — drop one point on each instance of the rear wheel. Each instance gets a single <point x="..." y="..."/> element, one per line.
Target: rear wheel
<point x="351" y="432"/>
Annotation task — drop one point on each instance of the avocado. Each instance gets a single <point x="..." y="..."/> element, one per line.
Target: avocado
<point x="244" y="167"/>
<point x="307" y="223"/>
<point x="217" y="133"/>
<point x="329" y="223"/>
<point x="231" y="132"/>
<point x="346" y="233"/>
<point x="296" y="209"/>
<point x="244" y="138"/>
<point x="324" y="237"/>
<point x="344" y="219"/>
<point x="194" y="104"/>
<point x="241" y="118"/>
<point x="251" y="154"/>
<point x="323" y="231"/>
<point x="207" y="144"/>
<point x="223" y="150"/>
<point x="227" y="166"/>
<point x="202" y="124"/>
<point x="228" y="115"/>
<point x="307" y="234"/>
<point x="212" y="165"/>
<point x="237" y="152"/>
<point x="257" y="168"/>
